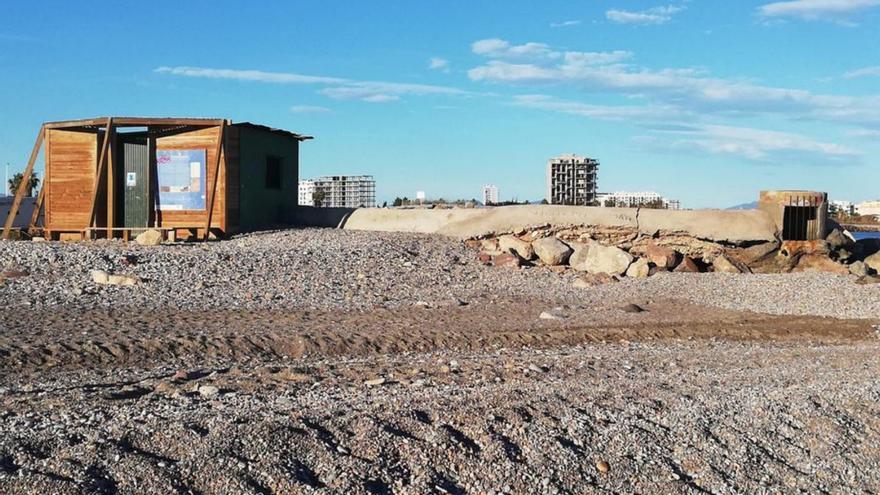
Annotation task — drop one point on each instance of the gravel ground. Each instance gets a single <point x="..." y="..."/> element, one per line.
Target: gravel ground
<point x="322" y="361"/>
<point x="332" y="269"/>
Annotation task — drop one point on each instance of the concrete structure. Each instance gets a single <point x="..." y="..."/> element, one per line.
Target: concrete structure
<point x="798" y="215"/>
<point x="571" y="180"/>
<point x="719" y="225"/>
<point x="306" y="192"/>
<point x="490" y="194"/>
<point x="114" y="176"/>
<point x="868" y="208"/>
<point x="628" y="199"/>
<point x="346" y="191"/>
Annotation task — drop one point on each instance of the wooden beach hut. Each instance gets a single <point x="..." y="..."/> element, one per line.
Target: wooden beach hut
<point x="117" y="176"/>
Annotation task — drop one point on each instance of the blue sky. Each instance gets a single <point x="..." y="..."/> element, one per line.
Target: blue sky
<point x="704" y="101"/>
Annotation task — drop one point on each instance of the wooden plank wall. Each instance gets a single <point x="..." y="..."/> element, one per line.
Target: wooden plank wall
<point x="71" y="157"/>
<point x="200" y="139"/>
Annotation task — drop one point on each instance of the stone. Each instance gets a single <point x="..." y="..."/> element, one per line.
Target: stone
<point x="723" y="264"/>
<point x="868" y="279"/>
<point x="603" y="466"/>
<point x="687" y="265"/>
<point x="490" y="246"/>
<point x="592" y="280"/>
<point x="38" y="239"/>
<point x="517" y="246"/>
<point x="149" y="238"/>
<point x="640" y="268"/>
<point x="819" y="263"/>
<point x="579" y="255"/>
<point x="484" y="258"/>
<point x="606" y="259"/>
<point x="100" y="277"/>
<point x="632" y="308"/>
<point x="553" y="314"/>
<point x="552" y="251"/>
<point x="208" y="391"/>
<point x="375" y="382"/>
<point x="661" y="256"/>
<point x="837" y="240"/>
<point x="14" y="273"/>
<point x="859" y="268"/>
<point x="873" y="261"/>
<point x="758" y="252"/>
<point x="507" y="260"/>
<point x="123" y="280"/>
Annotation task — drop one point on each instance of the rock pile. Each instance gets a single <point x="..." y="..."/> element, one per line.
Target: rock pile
<point x="607" y="253"/>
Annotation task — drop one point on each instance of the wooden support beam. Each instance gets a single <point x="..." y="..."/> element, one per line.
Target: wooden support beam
<point x="213" y="191"/>
<point x="36" y="213"/>
<point x="100" y="171"/>
<point x="111" y="189"/>
<point x="22" y="187"/>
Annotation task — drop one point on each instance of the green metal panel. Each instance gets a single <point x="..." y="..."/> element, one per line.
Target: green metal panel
<point x="262" y="207"/>
<point x="136" y="183"/>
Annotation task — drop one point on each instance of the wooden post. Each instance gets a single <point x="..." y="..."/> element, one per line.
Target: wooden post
<point x="111" y="190"/>
<point x="22" y="187"/>
<point x="36" y="214"/>
<point x="213" y="191"/>
<point x="100" y="172"/>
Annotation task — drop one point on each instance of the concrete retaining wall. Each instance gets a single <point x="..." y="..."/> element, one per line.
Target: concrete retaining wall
<point x="716" y="225"/>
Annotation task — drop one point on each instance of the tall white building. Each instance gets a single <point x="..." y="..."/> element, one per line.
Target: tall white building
<point x="629" y="199"/>
<point x="490" y="194"/>
<point x="341" y="191"/>
<point x="306" y="190"/>
<point x="571" y="180"/>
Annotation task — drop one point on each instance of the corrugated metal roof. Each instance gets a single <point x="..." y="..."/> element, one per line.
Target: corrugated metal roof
<point x="272" y="129"/>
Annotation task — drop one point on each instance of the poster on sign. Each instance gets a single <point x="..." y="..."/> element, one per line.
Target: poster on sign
<point x="181" y="179"/>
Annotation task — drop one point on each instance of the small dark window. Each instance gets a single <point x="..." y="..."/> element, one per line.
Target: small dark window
<point x="273" y="172"/>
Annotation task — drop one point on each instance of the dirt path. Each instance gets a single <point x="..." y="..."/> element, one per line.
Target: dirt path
<point x="133" y="337"/>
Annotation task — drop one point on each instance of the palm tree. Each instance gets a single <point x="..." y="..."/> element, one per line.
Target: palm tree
<point x="16" y="179"/>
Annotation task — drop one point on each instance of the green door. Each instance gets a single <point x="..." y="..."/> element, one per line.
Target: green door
<point x="136" y="183"/>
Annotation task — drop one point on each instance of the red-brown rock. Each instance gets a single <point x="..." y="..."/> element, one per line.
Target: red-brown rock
<point x="687" y="265"/>
<point x="507" y="260"/>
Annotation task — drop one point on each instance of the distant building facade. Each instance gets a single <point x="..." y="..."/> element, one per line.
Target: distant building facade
<point x="344" y="191"/>
<point x="490" y="194"/>
<point x="306" y="192"/>
<point x="571" y="180"/>
<point x="868" y="208"/>
<point x="839" y="207"/>
<point x="629" y="199"/>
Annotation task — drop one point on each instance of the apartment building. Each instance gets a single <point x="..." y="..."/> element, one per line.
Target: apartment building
<point x="571" y="180"/>
<point x="340" y="191"/>
<point x="630" y="199"/>
<point x="490" y="194"/>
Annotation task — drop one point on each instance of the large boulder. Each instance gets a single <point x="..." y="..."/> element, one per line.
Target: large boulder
<point x="551" y="251"/>
<point x="687" y="265"/>
<point x="579" y="255"/>
<point x="507" y="260"/>
<point x="873" y="261"/>
<point x="605" y="259"/>
<point x="837" y="239"/>
<point x="758" y="252"/>
<point x="819" y="263"/>
<point x="640" y="268"/>
<point x="724" y="264"/>
<point x="149" y="238"/>
<point x="513" y="244"/>
<point x="661" y="256"/>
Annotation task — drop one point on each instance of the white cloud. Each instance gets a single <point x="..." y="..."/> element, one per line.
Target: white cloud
<point x="863" y="72"/>
<point x="601" y="112"/>
<point x="812" y="10"/>
<point x="865" y="133"/>
<point x="249" y="75"/>
<point x="565" y="24"/>
<point x="436" y="63"/>
<point x="309" y="109"/>
<point x="652" y="16"/>
<point x="686" y="88"/>
<point x="337" y="87"/>
<point x="756" y="144"/>
<point x="498" y="48"/>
